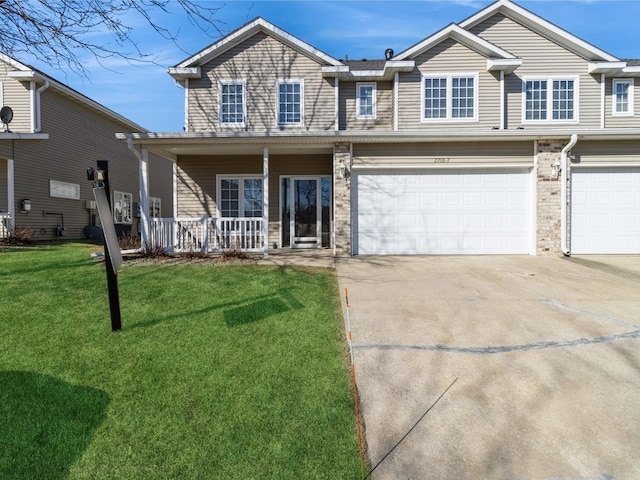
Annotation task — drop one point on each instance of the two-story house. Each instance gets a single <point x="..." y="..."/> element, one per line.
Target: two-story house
<point x="502" y="134"/>
<point x="54" y="134"/>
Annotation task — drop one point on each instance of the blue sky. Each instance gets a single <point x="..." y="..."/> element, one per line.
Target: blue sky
<point x="147" y="94"/>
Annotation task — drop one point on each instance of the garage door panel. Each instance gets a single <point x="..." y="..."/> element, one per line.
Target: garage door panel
<point x="605" y="211"/>
<point x="446" y="212"/>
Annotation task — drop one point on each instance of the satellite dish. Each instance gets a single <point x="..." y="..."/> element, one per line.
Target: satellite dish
<point x="6" y="115"/>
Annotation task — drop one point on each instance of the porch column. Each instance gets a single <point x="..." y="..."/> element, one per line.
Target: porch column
<point x="342" y="199"/>
<point x="144" y="197"/>
<point x="11" y="196"/>
<point x="265" y="198"/>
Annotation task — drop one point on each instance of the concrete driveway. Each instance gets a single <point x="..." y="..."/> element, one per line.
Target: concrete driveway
<point x="544" y="353"/>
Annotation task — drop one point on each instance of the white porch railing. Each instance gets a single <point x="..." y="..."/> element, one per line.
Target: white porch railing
<point x="5" y="220"/>
<point x="208" y="234"/>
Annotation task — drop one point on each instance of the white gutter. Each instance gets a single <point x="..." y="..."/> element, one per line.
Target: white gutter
<point x="38" y="111"/>
<point x="563" y="193"/>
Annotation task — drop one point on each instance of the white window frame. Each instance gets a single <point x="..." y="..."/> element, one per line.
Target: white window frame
<point x="374" y="95"/>
<point x="122" y="217"/>
<point x="290" y="81"/>
<point x="614" y="97"/>
<point x="449" y="76"/>
<point x="241" y="178"/>
<point x="549" y="111"/>
<point x="223" y="82"/>
<point x="155" y="207"/>
<point x="56" y="185"/>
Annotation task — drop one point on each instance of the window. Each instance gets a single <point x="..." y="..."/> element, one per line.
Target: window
<point x="64" y="190"/>
<point x="623" y="97"/>
<point x="240" y="196"/>
<point x="122" y="207"/>
<point x="155" y="210"/>
<point x="232" y="104"/>
<point x="290" y="102"/>
<point x="450" y="97"/>
<point x="366" y="100"/>
<point x="550" y="99"/>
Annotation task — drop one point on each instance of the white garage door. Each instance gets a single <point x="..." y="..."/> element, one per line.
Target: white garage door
<point x="605" y="210"/>
<point x="444" y="212"/>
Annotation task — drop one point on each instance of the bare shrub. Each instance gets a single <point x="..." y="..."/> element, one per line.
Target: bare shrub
<point x="234" y="252"/>
<point x="153" y="251"/>
<point x="129" y="242"/>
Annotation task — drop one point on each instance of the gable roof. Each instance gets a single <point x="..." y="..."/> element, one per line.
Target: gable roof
<point x="541" y="26"/>
<point x="248" y="30"/>
<point x="26" y="73"/>
<point x="497" y="58"/>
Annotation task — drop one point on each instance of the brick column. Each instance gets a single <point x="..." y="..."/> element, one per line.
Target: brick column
<point x="548" y="199"/>
<point x="342" y="195"/>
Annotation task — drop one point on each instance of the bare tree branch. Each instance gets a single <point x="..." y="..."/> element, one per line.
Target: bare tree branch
<point x="60" y="32"/>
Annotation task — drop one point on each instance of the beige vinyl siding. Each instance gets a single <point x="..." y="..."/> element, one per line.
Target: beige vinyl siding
<point x="161" y="183"/>
<point x="4" y="207"/>
<point x="612" y="121"/>
<point x="448" y="57"/>
<point x="197" y="178"/>
<point x="261" y="61"/>
<point x="16" y="95"/>
<point x="442" y="154"/>
<point x="384" y="107"/>
<point x="618" y="151"/>
<point x="540" y="57"/>
<point x="75" y="144"/>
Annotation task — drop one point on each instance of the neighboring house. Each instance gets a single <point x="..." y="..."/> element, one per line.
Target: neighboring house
<point x="503" y="134"/>
<point x="57" y="133"/>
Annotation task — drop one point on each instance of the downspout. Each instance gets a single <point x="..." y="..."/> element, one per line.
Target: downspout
<point x="564" y="155"/>
<point x="38" y="111"/>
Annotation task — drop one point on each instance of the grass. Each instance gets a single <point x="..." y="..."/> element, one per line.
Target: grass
<point x="219" y="372"/>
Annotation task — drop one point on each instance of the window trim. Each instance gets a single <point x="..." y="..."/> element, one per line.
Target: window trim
<point x="124" y="220"/>
<point x="289" y="81"/>
<point x="549" y="111"/>
<point x="374" y="102"/>
<point x="449" y="76"/>
<point x="226" y="176"/>
<point x="222" y="82"/>
<point x="631" y="82"/>
<point x="153" y="208"/>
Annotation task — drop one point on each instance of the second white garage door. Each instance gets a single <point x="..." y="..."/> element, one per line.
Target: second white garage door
<point x="443" y="212"/>
<point x="605" y="215"/>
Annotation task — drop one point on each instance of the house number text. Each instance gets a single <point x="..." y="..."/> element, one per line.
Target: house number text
<point x="441" y="160"/>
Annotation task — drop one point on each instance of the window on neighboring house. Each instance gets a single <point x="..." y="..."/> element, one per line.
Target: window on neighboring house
<point x="290" y="103"/>
<point x="58" y="189"/>
<point x="240" y="196"/>
<point x="366" y="100"/>
<point x="450" y="97"/>
<point x="155" y="210"/>
<point x="122" y="207"/>
<point x="623" y="97"/>
<point x="550" y="99"/>
<point x="232" y="102"/>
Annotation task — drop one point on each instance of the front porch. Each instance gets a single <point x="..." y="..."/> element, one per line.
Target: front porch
<point x="5" y="225"/>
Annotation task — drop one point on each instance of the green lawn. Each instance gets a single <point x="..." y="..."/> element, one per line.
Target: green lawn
<point x="219" y="372"/>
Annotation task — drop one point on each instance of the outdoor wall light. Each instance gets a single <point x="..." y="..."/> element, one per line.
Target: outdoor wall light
<point x="25" y="205"/>
<point x="344" y="172"/>
<point x="555" y="169"/>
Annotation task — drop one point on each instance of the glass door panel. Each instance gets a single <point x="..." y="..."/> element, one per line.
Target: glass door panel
<point x="305" y="212"/>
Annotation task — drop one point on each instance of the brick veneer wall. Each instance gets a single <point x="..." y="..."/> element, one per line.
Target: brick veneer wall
<point x="342" y="191"/>
<point x="548" y="199"/>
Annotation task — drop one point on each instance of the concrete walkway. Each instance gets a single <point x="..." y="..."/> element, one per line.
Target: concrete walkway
<point x="544" y="353"/>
